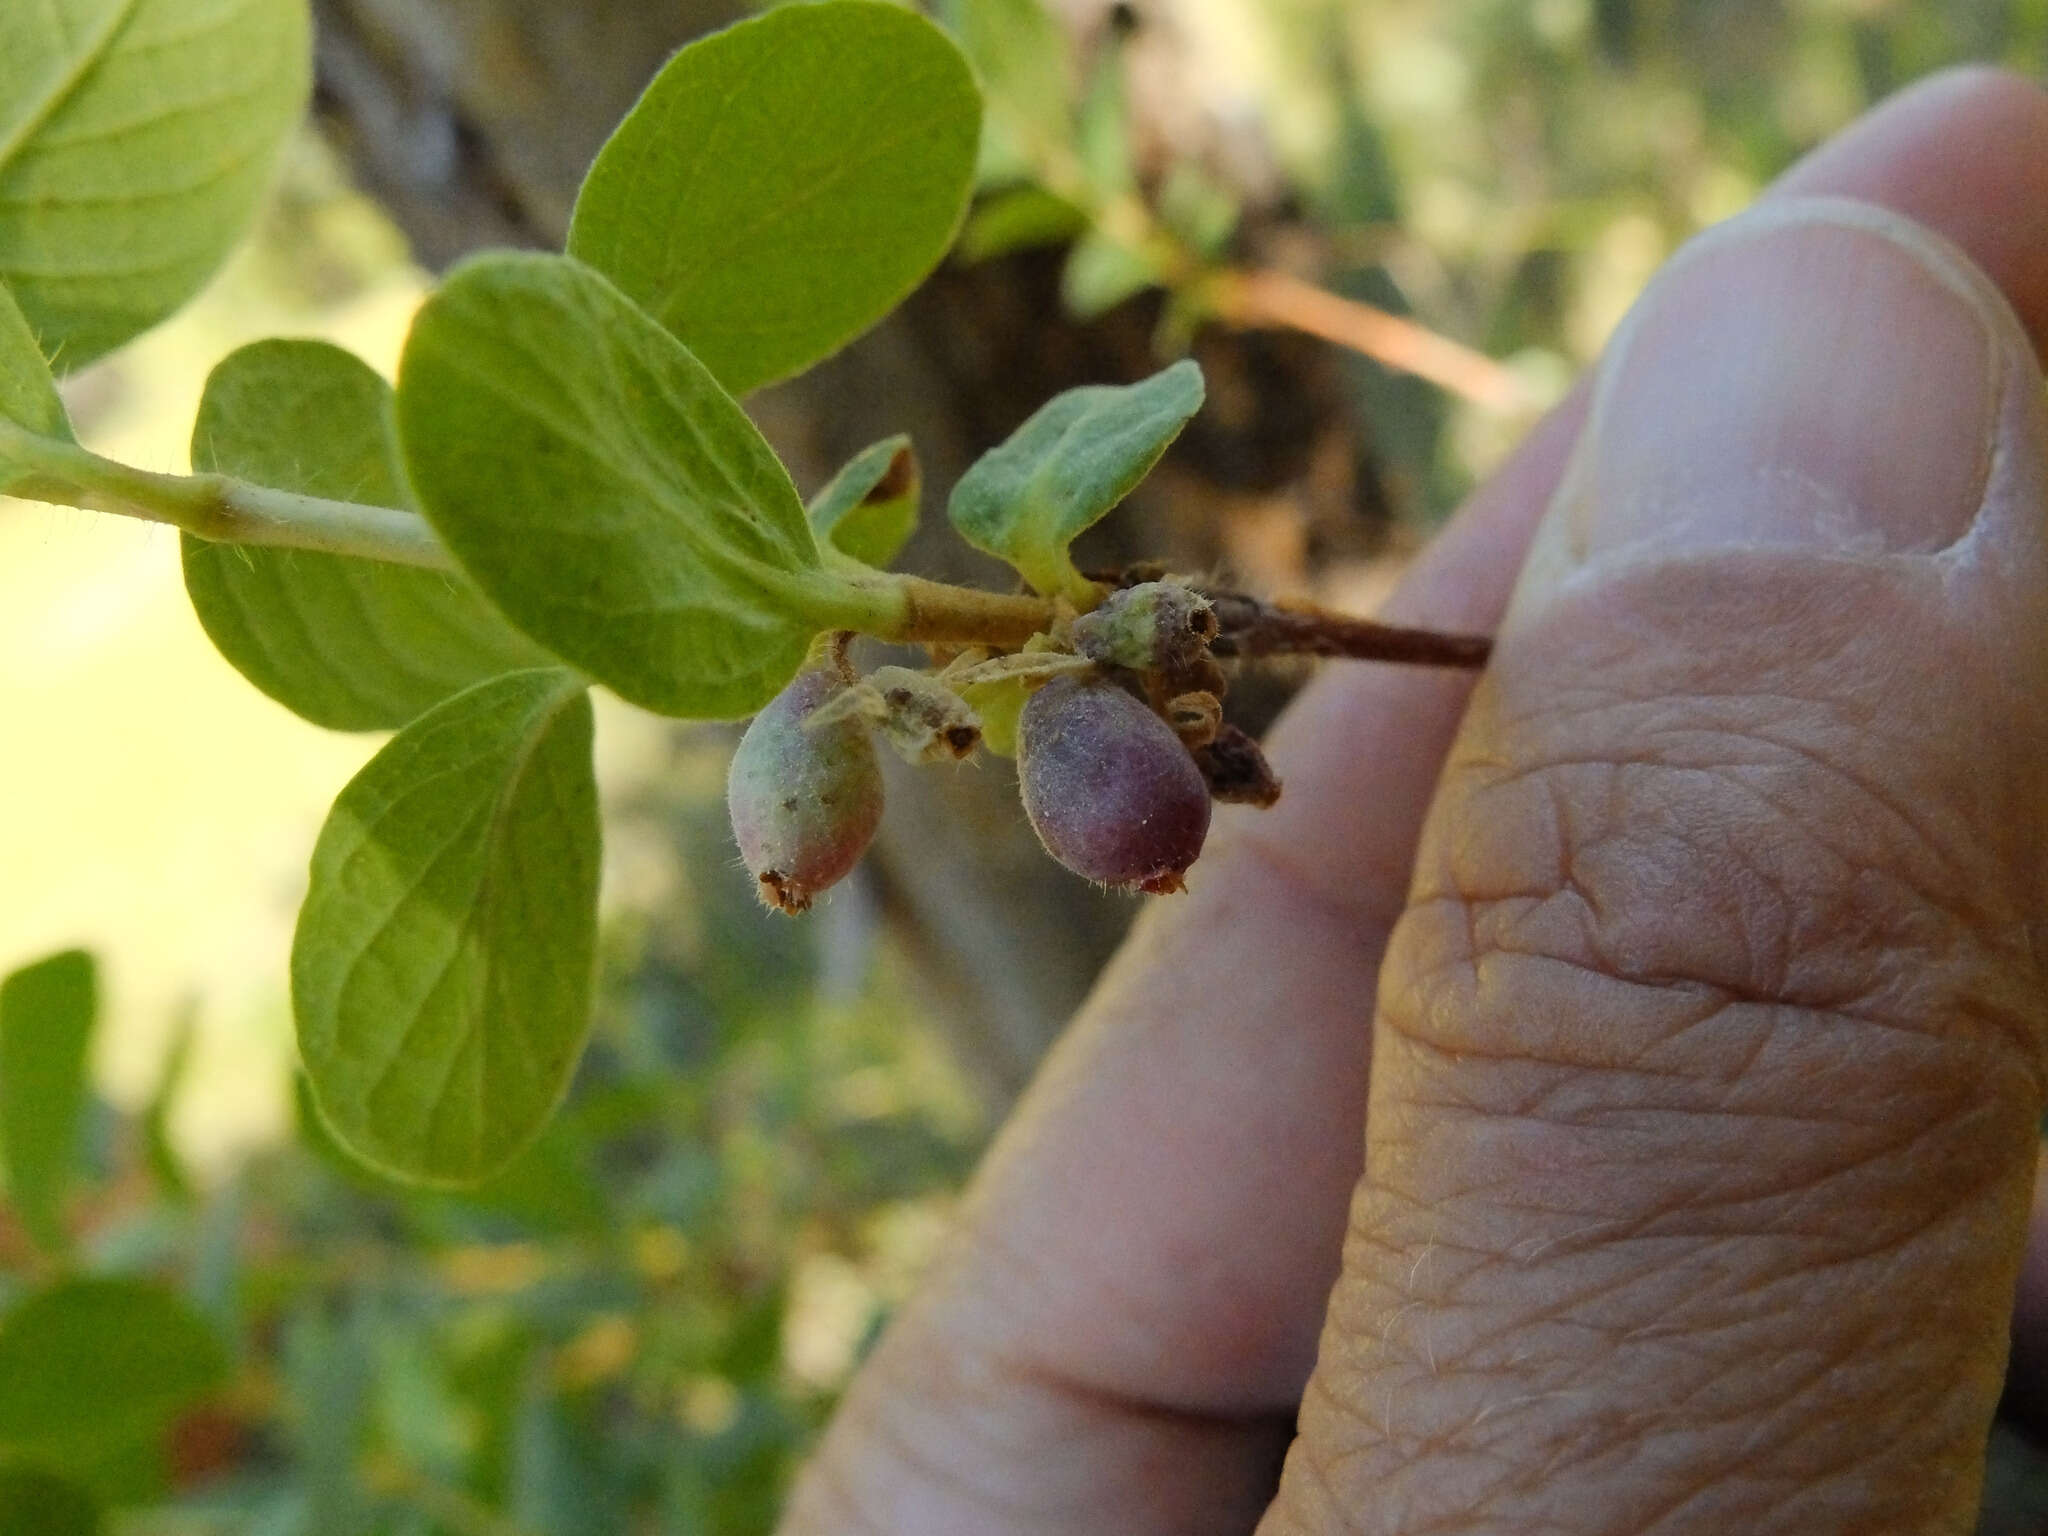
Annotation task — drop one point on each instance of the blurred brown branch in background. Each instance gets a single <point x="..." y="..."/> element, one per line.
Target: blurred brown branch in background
<point x="1269" y="298"/>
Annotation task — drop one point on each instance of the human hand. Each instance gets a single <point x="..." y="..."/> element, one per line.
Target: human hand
<point x="1706" y="936"/>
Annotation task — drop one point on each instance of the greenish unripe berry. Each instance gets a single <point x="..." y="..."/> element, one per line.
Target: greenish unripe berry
<point x="805" y="797"/>
<point x="1109" y="788"/>
<point x="1156" y="625"/>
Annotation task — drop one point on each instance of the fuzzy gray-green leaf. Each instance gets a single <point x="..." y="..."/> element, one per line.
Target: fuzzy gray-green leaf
<point x="869" y="509"/>
<point x="783" y="184"/>
<point x="136" y="138"/>
<point x="351" y="644"/>
<point x="1081" y="453"/>
<point x="442" y="969"/>
<point x="605" y="492"/>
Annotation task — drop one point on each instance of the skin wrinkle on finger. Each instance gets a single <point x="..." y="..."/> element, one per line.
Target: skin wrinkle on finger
<point x="998" y="1472"/>
<point x="1565" y="1360"/>
<point x="1570" y="1363"/>
<point x="1802" y="639"/>
<point x="1767" y="915"/>
<point x="1089" y="1182"/>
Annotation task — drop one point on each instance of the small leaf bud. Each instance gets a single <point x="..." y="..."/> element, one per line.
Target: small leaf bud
<point x="805" y="795"/>
<point x="1109" y="788"/>
<point x="1236" y="769"/>
<point x="1156" y="625"/>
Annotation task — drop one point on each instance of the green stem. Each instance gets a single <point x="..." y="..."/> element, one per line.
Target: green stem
<point x="217" y="507"/>
<point x="912" y="609"/>
<point x="887" y="605"/>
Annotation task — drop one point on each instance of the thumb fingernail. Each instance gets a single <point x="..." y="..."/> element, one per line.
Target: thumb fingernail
<point x="1818" y="374"/>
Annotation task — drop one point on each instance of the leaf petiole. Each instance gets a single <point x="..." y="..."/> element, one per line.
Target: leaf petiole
<point x="919" y="611"/>
<point x="218" y="507"/>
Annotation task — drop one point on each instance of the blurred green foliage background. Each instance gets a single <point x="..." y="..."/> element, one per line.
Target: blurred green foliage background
<point x="640" y="1327"/>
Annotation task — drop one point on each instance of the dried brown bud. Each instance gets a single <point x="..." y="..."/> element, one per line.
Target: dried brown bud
<point x="1236" y="769"/>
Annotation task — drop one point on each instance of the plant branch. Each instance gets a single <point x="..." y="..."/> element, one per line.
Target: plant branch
<point x="217" y="507"/>
<point x="1265" y="298"/>
<point x="938" y="613"/>
<point x="1250" y="626"/>
<point x="889" y="606"/>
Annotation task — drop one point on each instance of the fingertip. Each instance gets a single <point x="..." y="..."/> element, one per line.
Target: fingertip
<point x="1965" y="152"/>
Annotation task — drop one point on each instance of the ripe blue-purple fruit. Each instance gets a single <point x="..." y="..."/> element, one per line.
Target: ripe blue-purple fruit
<point x="805" y="797"/>
<point x="1109" y="788"/>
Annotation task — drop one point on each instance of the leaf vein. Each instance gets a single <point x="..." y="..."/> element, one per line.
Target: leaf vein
<point x="107" y="132"/>
<point x="67" y="82"/>
<point x="228" y="167"/>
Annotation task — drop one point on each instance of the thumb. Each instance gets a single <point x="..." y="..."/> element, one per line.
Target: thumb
<point x="1709" y="1052"/>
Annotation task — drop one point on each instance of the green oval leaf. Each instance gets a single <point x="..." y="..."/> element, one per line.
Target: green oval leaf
<point x="159" y="1152"/>
<point x="136" y="137"/>
<point x="28" y="395"/>
<point x="351" y="644"/>
<point x="1021" y="54"/>
<point x="47" y="1013"/>
<point x="36" y="1503"/>
<point x="1082" y="452"/>
<point x="90" y="1369"/>
<point x="605" y="493"/>
<point x="443" y="963"/>
<point x="783" y="184"/>
<point x="869" y="509"/>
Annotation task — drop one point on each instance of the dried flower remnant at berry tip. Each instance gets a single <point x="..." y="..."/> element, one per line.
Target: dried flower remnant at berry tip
<point x="923" y="719"/>
<point x="805" y="796"/>
<point x="1109" y="788"/>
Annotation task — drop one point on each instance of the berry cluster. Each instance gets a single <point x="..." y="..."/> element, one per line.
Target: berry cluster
<point x="1114" y="716"/>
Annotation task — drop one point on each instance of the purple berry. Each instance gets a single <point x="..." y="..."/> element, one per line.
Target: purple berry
<point x="805" y="799"/>
<point x="1109" y="788"/>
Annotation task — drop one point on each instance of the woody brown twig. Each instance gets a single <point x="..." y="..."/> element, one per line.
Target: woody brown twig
<point x="1250" y="626"/>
